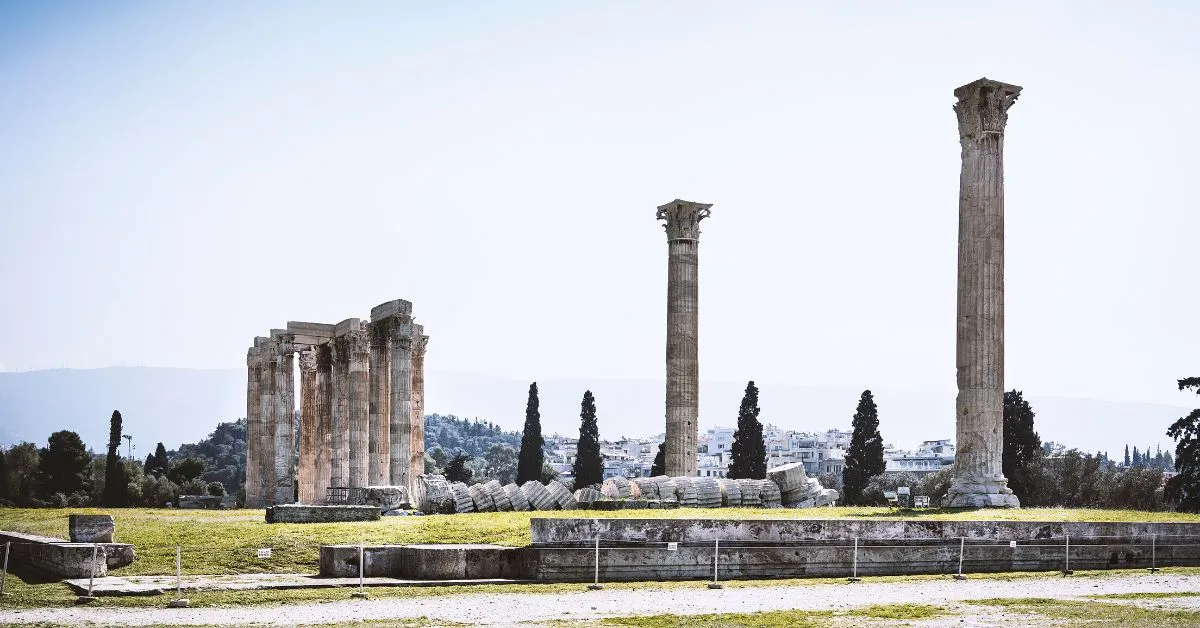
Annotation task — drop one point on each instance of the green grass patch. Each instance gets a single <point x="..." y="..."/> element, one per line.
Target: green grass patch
<point x="899" y="611"/>
<point x="1144" y="596"/>
<point x="772" y="619"/>
<point x="1096" y="613"/>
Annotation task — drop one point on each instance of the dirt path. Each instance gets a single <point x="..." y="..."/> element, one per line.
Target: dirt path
<point x="510" y="609"/>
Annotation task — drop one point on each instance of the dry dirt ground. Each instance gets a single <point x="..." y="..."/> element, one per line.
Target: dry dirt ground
<point x="513" y="609"/>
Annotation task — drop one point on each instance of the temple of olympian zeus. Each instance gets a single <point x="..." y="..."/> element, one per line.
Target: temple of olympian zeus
<point x="362" y="388"/>
<point x="978" y="480"/>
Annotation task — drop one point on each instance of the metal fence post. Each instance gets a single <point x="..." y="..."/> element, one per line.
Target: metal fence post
<point x="715" y="584"/>
<point x="854" y="565"/>
<point x="595" y="585"/>
<point x="179" y="601"/>
<point x="4" y="573"/>
<point x="362" y="592"/>
<point x="86" y="599"/>
<point x="1153" y="551"/>
<point x="962" y="548"/>
<point x="1067" y="558"/>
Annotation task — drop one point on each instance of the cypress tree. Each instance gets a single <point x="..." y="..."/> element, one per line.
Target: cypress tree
<point x="748" y="454"/>
<point x="660" y="461"/>
<point x="589" y="465"/>
<point x="4" y="477"/>
<point x="114" y="469"/>
<point x="161" y="462"/>
<point x="1184" y="488"/>
<point x="864" y="459"/>
<point x="1021" y="443"/>
<point x="1127" y="455"/>
<point x="529" y="463"/>
<point x="1137" y="458"/>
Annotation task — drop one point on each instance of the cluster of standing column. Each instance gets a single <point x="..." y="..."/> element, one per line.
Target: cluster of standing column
<point x="361" y="408"/>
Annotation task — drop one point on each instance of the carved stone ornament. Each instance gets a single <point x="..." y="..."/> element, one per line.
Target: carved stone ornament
<point x="982" y="107"/>
<point x="683" y="218"/>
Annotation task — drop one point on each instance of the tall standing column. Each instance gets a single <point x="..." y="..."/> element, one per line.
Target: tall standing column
<point x="402" y="445"/>
<point x="306" y="474"/>
<point x="360" y="389"/>
<point x="269" y="351"/>
<point x="978" y="480"/>
<point x="253" y="425"/>
<point x="417" y="437"/>
<point x="683" y="366"/>
<point x="380" y="447"/>
<point x="324" y="432"/>
<point x="285" y="412"/>
<point x="339" y="470"/>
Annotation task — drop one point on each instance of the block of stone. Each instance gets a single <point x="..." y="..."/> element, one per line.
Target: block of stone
<point x="433" y="494"/>
<point x="588" y="494"/>
<point x="646" y="487"/>
<point x="826" y="497"/>
<point x="617" y="488"/>
<point x="499" y="497"/>
<point x="566" y="501"/>
<point x="463" y="502"/>
<point x="751" y="492"/>
<point x="539" y="496"/>
<point x="515" y="497"/>
<point x="636" y="504"/>
<point x="769" y="494"/>
<point x="731" y="493"/>
<point x="708" y="492"/>
<point x="303" y="513"/>
<point x="788" y="477"/>
<point x="386" y="497"/>
<point x="482" y="498"/>
<point x="685" y="491"/>
<point x="92" y="528"/>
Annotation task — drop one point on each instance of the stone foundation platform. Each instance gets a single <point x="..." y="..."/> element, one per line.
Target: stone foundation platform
<point x="301" y="513"/>
<point x="63" y="559"/>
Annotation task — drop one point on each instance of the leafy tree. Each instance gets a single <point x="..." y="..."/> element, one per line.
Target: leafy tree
<point x="589" y="464"/>
<point x="864" y="459"/>
<point x="659" y="467"/>
<point x="148" y="466"/>
<point x="548" y="474"/>
<point x="114" y="470"/>
<point x="830" y="480"/>
<point x="186" y="470"/>
<point x="748" y="454"/>
<point x="162" y="463"/>
<point x="22" y="462"/>
<point x="1021" y="443"/>
<point x="223" y="453"/>
<point x="935" y="485"/>
<point x="215" y="489"/>
<point x="1127" y="454"/>
<point x="1185" y="487"/>
<point x="456" y="469"/>
<point x="500" y="464"/>
<point x="529" y="464"/>
<point x="1137" y="458"/>
<point x="872" y="494"/>
<point x="5" y="491"/>
<point x="63" y="465"/>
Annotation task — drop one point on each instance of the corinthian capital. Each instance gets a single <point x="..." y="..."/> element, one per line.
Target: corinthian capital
<point x="419" y="341"/>
<point x="308" y="361"/>
<point x="982" y="107"/>
<point x="683" y="218"/>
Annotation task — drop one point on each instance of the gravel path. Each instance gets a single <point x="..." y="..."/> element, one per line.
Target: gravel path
<point x="510" y="609"/>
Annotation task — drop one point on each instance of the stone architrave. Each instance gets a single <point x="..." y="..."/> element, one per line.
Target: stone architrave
<point x="285" y="408"/>
<point x="339" y="424"/>
<point x="683" y="367"/>
<point x="982" y="110"/>
<point x="380" y="446"/>
<point x="324" y="432"/>
<point x="253" y="427"/>
<point x="420" y="342"/>
<point x="306" y="473"/>
<point x="267" y="395"/>
<point x="360" y="389"/>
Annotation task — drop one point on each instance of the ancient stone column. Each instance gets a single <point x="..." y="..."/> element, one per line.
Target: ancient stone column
<point x="324" y="432"/>
<point x="979" y="480"/>
<point x="253" y="426"/>
<point x="683" y="366"/>
<point x="269" y="353"/>
<point x="339" y="471"/>
<point x="306" y="474"/>
<point x="360" y="415"/>
<point x="380" y="446"/>
<point x="417" y="467"/>
<point x="401" y="407"/>
<point x="285" y="409"/>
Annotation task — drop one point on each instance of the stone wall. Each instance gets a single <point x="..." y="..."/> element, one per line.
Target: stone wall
<point x="63" y="559"/>
<point x="299" y="513"/>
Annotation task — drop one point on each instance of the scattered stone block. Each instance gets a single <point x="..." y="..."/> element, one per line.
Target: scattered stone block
<point x="617" y="488"/>
<point x="685" y="492"/>
<point x="560" y="493"/>
<point x="731" y="493"/>
<point x="463" y="501"/>
<point x="789" y="477"/>
<point x="539" y="496"/>
<point x="646" y="487"/>
<point x="385" y="497"/>
<point x="515" y="497"/>
<point x="482" y="498"/>
<point x="303" y="513"/>
<point x="92" y="528"/>
<point x="588" y="494"/>
<point x="433" y="494"/>
<point x="499" y="497"/>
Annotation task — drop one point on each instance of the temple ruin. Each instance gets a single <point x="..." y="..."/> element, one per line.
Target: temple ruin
<point x="361" y="408"/>
<point x="979" y="480"/>
<point x="683" y="325"/>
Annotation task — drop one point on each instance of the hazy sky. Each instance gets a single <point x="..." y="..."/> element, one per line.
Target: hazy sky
<point x="176" y="178"/>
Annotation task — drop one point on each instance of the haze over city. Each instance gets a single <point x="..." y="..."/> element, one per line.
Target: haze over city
<point x="179" y="179"/>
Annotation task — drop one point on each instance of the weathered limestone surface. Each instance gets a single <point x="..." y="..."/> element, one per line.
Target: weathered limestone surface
<point x="285" y="404"/>
<point x="380" y="445"/>
<point x="64" y="559"/>
<point x="562" y="495"/>
<point x="303" y="513"/>
<point x="433" y="495"/>
<point x="360" y="391"/>
<point x="339" y="473"/>
<point x="384" y="497"/>
<point x="91" y="528"/>
<point x="463" y="499"/>
<point x="517" y="498"/>
<point x="306" y="474"/>
<point x="683" y="367"/>
<point x="539" y="496"/>
<point x="420" y="342"/>
<point x="253" y="430"/>
<point x="401" y="408"/>
<point x="324" y="432"/>
<point x="982" y="110"/>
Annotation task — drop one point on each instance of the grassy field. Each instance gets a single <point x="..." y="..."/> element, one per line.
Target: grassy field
<point x="224" y="542"/>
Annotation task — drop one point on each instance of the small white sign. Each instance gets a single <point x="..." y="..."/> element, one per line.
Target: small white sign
<point x="1012" y="544"/>
<point x="264" y="552"/>
<point x="904" y="490"/>
<point x="671" y="547"/>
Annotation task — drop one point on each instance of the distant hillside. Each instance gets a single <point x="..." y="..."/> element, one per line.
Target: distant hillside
<point x="178" y="406"/>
